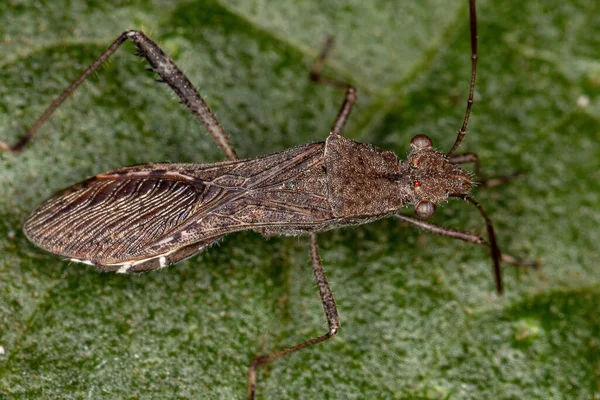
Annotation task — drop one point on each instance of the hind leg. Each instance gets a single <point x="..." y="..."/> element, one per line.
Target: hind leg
<point x="168" y="72"/>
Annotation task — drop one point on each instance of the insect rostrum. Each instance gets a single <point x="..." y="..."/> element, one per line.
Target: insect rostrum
<point x="149" y="216"/>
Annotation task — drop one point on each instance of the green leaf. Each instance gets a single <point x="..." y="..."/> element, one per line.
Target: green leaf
<point x="418" y="313"/>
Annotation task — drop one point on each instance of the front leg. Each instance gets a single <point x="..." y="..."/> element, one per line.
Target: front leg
<point x="465" y="158"/>
<point x="465" y="236"/>
<point x="331" y="314"/>
<point x="471" y="237"/>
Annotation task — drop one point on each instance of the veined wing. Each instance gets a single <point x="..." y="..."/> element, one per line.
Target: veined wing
<point x="149" y="216"/>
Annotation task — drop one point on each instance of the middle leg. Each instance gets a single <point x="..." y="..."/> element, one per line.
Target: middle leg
<point x="331" y="314"/>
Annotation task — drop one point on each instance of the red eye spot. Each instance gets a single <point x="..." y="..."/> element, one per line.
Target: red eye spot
<point x="417" y="183"/>
<point x="415" y="163"/>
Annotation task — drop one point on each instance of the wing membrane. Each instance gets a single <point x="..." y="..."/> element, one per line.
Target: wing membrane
<point x="108" y="219"/>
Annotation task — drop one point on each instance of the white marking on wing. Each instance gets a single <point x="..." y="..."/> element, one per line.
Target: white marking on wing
<point x="124" y="268"/>
<point x="87" y="262"/>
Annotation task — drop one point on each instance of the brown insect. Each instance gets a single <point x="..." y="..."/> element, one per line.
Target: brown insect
<point x="146" y="217"/>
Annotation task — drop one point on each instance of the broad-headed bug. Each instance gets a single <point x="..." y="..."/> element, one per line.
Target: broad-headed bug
<point x="146" y="217"/>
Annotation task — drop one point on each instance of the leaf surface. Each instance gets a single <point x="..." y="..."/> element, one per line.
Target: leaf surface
<point x="419" y="318"/>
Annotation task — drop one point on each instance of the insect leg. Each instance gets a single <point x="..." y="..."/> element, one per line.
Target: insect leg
<point x="350" y="98"/>
<point x="330" y="313"/>
<point x="465" y="158"/>
<point x="344" y="113"/>
<point x="317" y="69"/>
<point x="17" y="147"/>
<point x="470" y="237"/>
<point x="168" y="72"/>
<point x="465" y="236"/>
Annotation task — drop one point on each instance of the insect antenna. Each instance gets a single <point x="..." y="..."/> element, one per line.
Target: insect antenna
<point x="495" y="250"/>
<point x="463" y="129"/>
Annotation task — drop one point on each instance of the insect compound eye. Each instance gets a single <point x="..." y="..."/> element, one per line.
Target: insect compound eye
<point x="421" y="142"/>
<point x="425" y="209"/>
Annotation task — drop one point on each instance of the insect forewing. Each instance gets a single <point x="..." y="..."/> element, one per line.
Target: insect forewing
<point x="123" y="217"/>
<point x="146" y="217"/>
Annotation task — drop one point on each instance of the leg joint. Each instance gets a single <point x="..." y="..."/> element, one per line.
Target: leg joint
<point x="333" y="330"/>
<point x="130" y="32"/>
<point x="259" y="360"/>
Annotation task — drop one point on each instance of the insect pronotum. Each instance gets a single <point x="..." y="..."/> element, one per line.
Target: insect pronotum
<point x="146" y="217"/>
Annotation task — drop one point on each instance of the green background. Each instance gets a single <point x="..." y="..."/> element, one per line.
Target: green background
<point x="418" y="312"/>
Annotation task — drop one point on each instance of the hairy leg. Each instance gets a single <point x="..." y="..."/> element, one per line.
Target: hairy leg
<point x="168" y="72"/>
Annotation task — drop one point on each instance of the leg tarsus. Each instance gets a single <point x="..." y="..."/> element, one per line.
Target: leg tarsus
<point x="331" y="314"/>
<point x="32" y="131"/>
